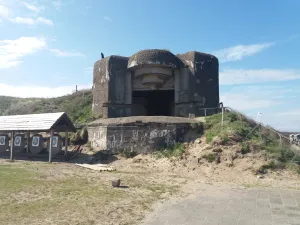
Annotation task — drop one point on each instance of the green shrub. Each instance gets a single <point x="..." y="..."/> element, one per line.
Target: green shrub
<point x="210" y="157"/>
<point x="225" y="140"/>
<point x="175" y="151"/>
<point x="286" y="155"/>
<point x="245" y="148"/>
<point x="232" y="117"/>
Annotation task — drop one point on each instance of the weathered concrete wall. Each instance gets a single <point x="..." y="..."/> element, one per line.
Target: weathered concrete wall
<point x="109" y="87"/>
<point x="139" y="138"/>
<point x="161" y="76"/>
<point x="154" y="57"/>
<point x="98" y="137"/>
<point x="197" y="84"/>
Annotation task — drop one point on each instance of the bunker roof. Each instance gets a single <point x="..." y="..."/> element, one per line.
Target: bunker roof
<point x="58" y="122"/>
<point x="153" y="57"/>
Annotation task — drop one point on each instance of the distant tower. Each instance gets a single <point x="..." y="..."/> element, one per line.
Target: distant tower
<point x="102" y="55"/>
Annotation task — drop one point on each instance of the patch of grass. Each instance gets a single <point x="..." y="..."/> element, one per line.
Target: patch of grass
<point x="175" y="151"/>
<point x="225" y="140"/>
<point x="70" y="195"/>
<point x="232" y="126"/>
<point x="250" y="135"/>
<point x="245" y="148"/>
<point x="210" y="136"/>
<point x="211" y="157"/>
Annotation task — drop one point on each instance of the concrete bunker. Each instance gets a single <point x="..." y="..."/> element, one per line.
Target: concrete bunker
<point x="155" y="82"/>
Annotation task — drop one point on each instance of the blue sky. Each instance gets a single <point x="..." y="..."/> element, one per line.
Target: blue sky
<point x="49" y="46"/>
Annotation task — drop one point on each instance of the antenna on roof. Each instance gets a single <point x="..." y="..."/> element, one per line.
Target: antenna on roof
<point x="102" y="55"/>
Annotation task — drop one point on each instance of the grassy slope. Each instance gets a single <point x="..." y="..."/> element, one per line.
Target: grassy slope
<point x="78" y="106"/>
<point x="264" y="140"/>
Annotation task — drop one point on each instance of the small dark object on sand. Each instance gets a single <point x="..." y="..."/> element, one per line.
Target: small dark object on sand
<point x="116" y="183"/>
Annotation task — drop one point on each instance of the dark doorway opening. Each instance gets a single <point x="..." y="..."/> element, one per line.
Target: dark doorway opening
<point x="153" y="103"/>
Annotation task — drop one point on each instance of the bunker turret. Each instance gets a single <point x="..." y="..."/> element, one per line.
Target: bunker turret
<point x="156" y="82"/>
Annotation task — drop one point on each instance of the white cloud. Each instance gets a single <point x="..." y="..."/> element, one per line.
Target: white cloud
<point x="27" y="91"/>
<point x="5" y="12"/>
<point x="62" y="53"/>
<point x="107" y="18"/>
<point x="239" y="52"/>
<point x="30" y="21"/>
<point x="12" y="51"/>
<point x="43" y="20"/>
<point x="242" y="76"/>
<point x="33" y="7"/>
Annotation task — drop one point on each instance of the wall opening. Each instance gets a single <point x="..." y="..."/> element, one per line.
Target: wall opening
<point x="153" y="103"/>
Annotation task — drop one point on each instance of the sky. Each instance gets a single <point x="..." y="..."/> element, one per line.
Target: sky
<point x="49" y="46"/>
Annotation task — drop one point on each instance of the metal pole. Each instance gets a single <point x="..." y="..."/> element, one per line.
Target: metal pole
<point x="66" y="143"/>
<point x="28" y="139"/>
<point x="222" y="116"/>
<point x="12" y="146"/>
<point x="205" y="112"/>
<point x="50" y="146"/>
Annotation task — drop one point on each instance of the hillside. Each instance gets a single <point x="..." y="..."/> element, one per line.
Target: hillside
<point x="77" y="105"/>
